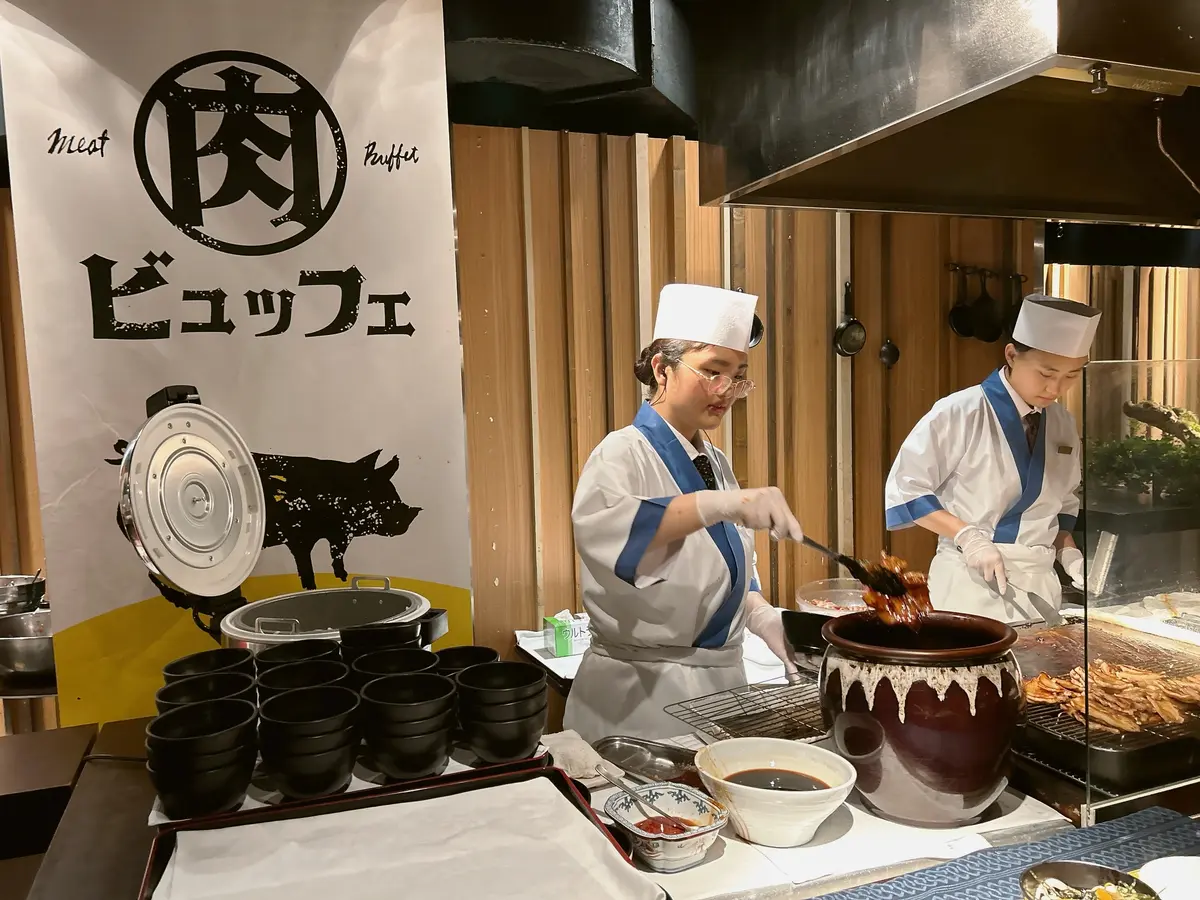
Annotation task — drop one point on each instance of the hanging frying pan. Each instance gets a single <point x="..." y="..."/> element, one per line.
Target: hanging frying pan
<point x="960" y="313"/>
<point x="850" y="336"/>
<point x="988" y="312"/>
<point x="757" y="330"/>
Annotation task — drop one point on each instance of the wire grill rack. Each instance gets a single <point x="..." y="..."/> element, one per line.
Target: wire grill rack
<point x="771" y="709"/>
<point x="1139" y="652"/>
<point x="1058" y="723"/>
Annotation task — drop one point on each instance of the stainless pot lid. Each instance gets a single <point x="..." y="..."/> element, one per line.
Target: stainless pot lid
<point x="322" y="613"/>
<point x="192" y="500"/>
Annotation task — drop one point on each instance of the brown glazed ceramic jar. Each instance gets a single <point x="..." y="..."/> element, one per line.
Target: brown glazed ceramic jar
<point x="926" y="717"/>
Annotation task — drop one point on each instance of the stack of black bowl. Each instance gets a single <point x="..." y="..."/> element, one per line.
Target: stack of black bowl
<point x="396" y="661"/>
<point x="210" y="662"/>
<point x="361" y="639"/>
<point x="297" y="651"/>
<point x="502" y="709"/>
<point x="309" y="740"/>
<point x="201" y="688"/>
<point x="453" y="660"/>
<point x="293" y="676"/>
<point x="201" y="756"/>
<point x="408" y="723"/>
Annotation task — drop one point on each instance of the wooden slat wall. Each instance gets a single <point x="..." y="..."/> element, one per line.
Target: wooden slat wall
<point x="1151" y="315"/>
<point x="564" y="241"/>
<point x="496" y="390"/>
<point x="904" y="290"/>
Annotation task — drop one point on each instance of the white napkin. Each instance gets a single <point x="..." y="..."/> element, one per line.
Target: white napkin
<point x="838" y="846"/>
<point x="521" y="840"/>
<point x="576" y="757"/>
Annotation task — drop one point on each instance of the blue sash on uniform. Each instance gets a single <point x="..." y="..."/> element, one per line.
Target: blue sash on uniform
<point x="724" y="534"/>
<point x="1030" y="466"/>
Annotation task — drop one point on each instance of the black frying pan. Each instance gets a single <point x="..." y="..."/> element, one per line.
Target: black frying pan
<point x="960" y="314"/>
<point x="850" y="336"/>
<point x="988" y="312"/>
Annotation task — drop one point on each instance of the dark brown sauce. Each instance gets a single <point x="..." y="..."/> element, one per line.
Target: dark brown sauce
<point x="777" y="780"/>
<point x="690" y="777"/>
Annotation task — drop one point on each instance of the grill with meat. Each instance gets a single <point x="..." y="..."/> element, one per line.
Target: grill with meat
<point x="1120" y="699"/>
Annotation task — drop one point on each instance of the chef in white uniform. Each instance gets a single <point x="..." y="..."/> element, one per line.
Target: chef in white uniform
<point x="665" y="536"/>
<point x="994" y="471"/>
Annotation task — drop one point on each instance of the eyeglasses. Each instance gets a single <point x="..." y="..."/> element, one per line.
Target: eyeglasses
<point x="721" y="384"/>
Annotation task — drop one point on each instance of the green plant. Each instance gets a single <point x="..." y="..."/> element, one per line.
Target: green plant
<point x="1168" y="468"/>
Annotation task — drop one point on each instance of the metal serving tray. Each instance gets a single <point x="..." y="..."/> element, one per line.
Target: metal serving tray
<point x="650" y="761"/>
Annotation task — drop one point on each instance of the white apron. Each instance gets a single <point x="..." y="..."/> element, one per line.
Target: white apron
<point x="666" y="626"/>
<point x="969" y="456"/>
<point x="956" y="588"/>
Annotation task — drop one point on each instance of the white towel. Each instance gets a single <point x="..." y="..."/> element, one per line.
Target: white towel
<point x="576" y="757"/>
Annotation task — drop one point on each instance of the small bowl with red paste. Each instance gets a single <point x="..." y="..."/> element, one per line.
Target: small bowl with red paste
<point x="658" y="842"/>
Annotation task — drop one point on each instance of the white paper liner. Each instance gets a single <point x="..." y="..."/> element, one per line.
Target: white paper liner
<point x="522" y="840"/>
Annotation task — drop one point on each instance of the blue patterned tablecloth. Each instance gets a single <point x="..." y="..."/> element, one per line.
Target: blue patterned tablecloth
<point x="1126" y="844"/>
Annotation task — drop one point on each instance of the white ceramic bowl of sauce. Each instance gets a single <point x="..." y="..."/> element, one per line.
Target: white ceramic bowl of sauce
<point x="772" y="816"/>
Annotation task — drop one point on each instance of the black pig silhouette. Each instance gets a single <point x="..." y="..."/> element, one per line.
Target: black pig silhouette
<point x="313" y="499"/>
<point x="309" y="500"/>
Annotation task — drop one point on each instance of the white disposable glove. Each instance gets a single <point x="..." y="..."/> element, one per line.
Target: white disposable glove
<point x="758" y="508"/>
<point x="1072" y="561"/>
<point x="767" y="622"/>
<point x="982" y="556"/>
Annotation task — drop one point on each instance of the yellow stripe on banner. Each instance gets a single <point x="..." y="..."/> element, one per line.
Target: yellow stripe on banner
<point x="109" y="666"/>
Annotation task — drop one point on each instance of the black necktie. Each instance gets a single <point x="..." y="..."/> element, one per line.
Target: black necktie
<point x="1031" y="422"/>
<point x="704" y="467"/>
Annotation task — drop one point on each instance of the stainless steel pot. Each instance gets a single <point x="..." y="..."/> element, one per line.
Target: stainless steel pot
<point x="319" y="614"/>
<point x="27" y="643"/>
<point x="21" y="593"/>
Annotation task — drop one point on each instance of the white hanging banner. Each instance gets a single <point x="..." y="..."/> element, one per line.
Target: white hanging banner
<point x="252" y="199"/>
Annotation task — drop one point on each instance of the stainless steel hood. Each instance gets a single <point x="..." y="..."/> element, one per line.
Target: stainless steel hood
<point x="1028" y="108"/>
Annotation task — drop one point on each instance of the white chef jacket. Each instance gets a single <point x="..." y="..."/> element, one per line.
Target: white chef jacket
<point x="666" y="626"/>
<point x="969" y="456"/>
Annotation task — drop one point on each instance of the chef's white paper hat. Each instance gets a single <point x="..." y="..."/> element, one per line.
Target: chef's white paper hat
<point x="710" y="315"/>
<point x="1056" y="326"/>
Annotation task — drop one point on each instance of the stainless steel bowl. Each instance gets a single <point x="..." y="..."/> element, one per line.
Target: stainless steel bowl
<point x="1078" y="875"/>
<point x="27" y="643"/>
<point x="20" y="593"/>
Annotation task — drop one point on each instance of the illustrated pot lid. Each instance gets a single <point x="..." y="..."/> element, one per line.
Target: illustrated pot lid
<point x="192" y="500"/>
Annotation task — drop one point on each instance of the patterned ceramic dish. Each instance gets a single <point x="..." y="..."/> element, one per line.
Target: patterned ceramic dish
<point x="669" y="852"/>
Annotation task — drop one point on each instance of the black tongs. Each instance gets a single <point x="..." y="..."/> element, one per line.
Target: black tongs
<point x="876" y="577"/>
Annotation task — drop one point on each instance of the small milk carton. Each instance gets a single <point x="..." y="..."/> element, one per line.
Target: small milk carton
<point x="566" y="635"/>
